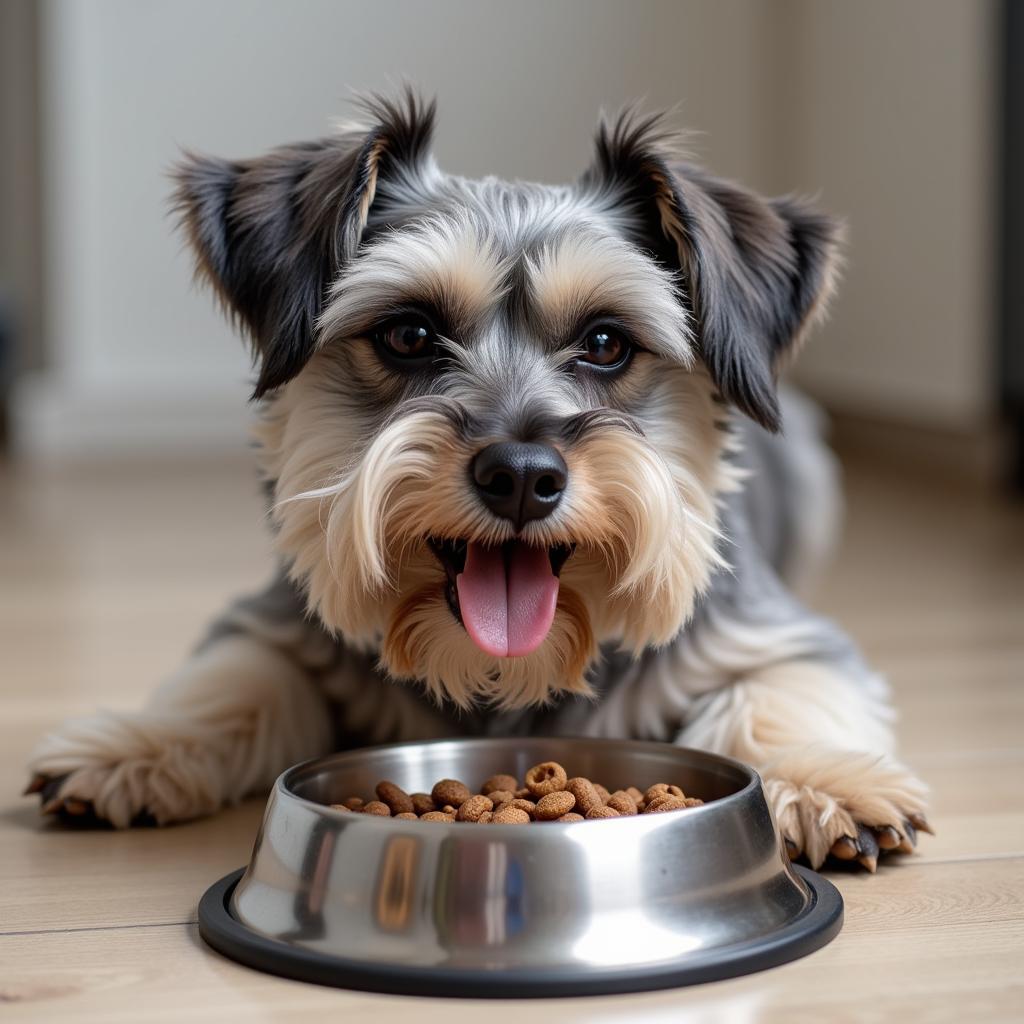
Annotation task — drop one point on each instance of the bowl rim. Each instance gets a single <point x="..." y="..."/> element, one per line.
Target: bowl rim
<point x="289" y="775"/>
<point x="817" y="925"/>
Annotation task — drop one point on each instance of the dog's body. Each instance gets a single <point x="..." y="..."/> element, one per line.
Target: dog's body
<point x="508" y="490"/>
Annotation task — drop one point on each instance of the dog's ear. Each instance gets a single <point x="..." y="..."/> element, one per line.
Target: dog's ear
<point x="754" y="272"/>
<point x="271" y="234"/>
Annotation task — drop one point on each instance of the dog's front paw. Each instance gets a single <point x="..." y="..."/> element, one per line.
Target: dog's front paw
<point x="125" y="770"/>
<point x="851" y="806"/>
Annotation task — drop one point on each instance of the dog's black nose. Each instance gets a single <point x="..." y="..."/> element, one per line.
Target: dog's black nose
<point x="520" y="481"/>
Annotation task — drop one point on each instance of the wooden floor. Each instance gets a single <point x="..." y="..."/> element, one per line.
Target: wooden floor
<point x="107" y="575"/>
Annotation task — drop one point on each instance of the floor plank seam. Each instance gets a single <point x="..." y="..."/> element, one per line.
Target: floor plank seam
<point x="100" y="928"/>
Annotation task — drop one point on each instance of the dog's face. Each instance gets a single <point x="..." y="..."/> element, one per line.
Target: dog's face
<point x="495" y="414"/>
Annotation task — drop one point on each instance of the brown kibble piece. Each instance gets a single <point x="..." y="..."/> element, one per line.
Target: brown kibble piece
<point x="585" y="794"/>
<point x="661" y="789"/>
<point x="450" y="791"/>
<point x="546" y="777"/>
<point x="471" y="809"/>
<point x="340" y="807"/>
<point x="554" y="805"/>
<point x="635" y="794"/>
<point x="693" y="801"/>
<point x="501" y="796"/>
<point x="601" y="792"/>
<point x="666" y="802"/>
<point x="423" y="803"/>
<point x="622" y="802"/>
<point x="354" y="803"/>
<point x="395" y="797"/>
<point x="510" y="816"/>
<point x="436" y="816"/>
<point x="449" y="809"/>
<point x="407" y="816"/>
<point x="523" y="793"/>
<point x="571" y="816"/>
<point x="378" y="808"/>
<point x="484" y="818"/>
<point x="602" y="812"/>
<point x="509" y="782"/>
<point x="524" y="805"/>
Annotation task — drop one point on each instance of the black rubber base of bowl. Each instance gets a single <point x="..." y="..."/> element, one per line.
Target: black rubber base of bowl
<point x="817" y="926"/>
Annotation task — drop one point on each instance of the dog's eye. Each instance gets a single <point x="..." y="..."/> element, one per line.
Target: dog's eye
<point x="409" y="340"/>
<point x="605" y="347"/>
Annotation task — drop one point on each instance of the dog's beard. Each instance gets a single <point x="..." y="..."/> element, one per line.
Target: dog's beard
<point x="638" y="528"/>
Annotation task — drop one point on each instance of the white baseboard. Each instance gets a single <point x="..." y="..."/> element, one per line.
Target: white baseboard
<point x="54" y="419"/>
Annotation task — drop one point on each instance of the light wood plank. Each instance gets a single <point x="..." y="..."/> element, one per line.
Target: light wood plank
<point x="97" y="606"/>
<point x="953" y="951"/>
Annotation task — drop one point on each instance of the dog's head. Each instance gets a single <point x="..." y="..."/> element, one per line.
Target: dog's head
<point x="495" y="416"/>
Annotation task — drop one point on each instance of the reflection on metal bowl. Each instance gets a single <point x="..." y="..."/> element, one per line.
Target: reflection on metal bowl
<point x="612" y="905"/>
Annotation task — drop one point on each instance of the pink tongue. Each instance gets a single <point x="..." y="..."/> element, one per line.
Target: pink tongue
<point x="507" y="596"/>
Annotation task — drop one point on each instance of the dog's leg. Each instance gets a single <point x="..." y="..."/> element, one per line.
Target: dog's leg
<point x="822" y="743"/>
<point x="246" y="705"/>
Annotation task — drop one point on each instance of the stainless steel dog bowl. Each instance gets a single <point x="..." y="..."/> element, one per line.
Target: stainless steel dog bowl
<point x="612" y="905"/>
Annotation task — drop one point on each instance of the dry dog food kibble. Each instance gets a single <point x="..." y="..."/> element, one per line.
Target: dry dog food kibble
<point x="548" y="795"/>
<point x="554" y="805"/>
<point x="473" y="808"/>
<point x="395" y="797"/>
<point x="500" y="782"/>
<point x="545" y="778"/>
<point x="450" y="791"/>
<point x="422" y="803"/>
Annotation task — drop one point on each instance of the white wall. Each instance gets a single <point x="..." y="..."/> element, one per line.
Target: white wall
<point x="882" y="106"/>
<point x="893" y="120"/>
<point x="138" y="357"/>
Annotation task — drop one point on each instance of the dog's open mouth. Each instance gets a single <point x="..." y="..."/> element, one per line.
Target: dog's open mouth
<point x="504" y="595"/>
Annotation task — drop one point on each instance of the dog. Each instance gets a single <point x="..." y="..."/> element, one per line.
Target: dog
<point x="521" y="450"/>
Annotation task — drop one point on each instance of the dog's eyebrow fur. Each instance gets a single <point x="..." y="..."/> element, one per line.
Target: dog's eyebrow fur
<point x="441" y="262"/>
<point x="582" y="273"/>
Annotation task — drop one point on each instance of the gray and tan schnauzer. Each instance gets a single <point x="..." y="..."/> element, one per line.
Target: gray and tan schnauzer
<point x="520" y="445"/>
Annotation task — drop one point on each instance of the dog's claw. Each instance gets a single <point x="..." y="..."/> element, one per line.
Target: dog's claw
<point x="844" y="848"/>
<point x="887" y="838"/>
<point x="920" y="822"/>
<point x="53" y="802"/>
<point x="909" y="840"/>
<point x="35" y="785"/>
<point x="867" y="848"/>
<point x="49" y="793"/>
